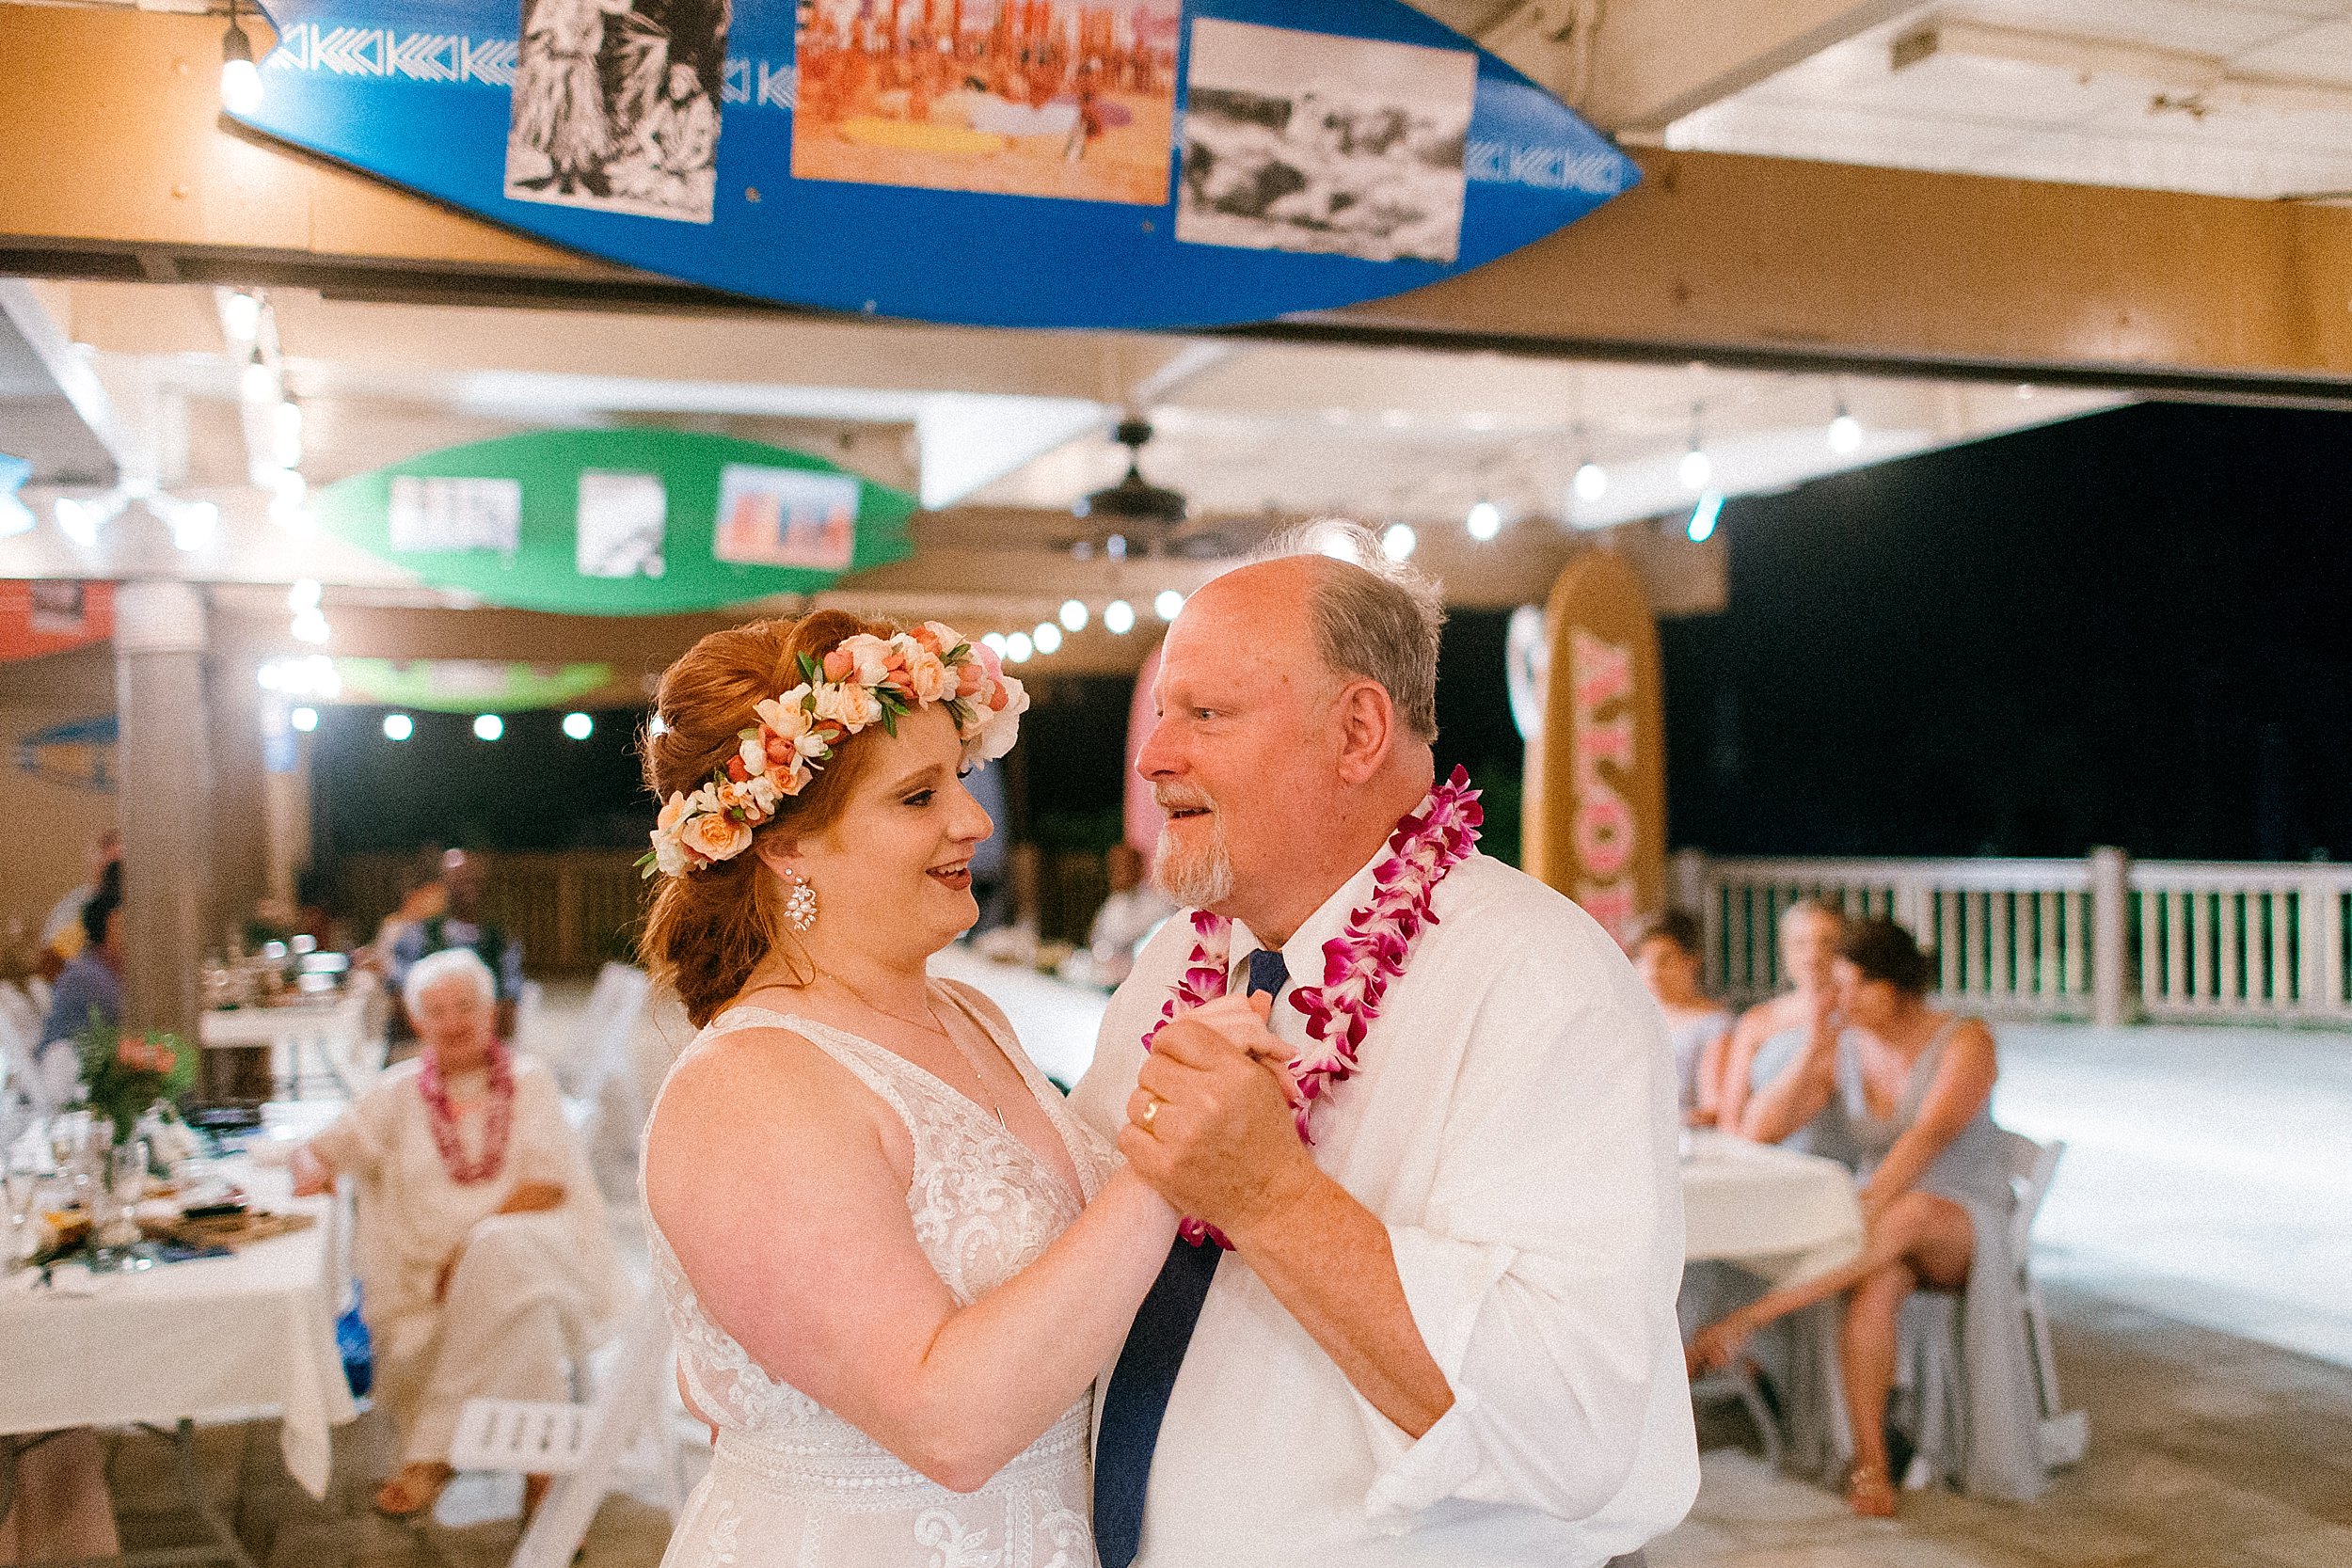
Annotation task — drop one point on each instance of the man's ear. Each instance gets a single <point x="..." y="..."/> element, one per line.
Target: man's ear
<point x="1367" y="722"/>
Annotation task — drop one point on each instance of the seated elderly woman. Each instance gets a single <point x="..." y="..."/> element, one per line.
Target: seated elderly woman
<point x="1915" y="1087"/>
<point x="484" y="1259"/>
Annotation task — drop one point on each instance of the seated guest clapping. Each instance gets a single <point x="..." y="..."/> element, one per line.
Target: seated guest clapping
<point x="1916" y="1088"/>
<point x="1666" y="952"/>
<point x="484" y="1259"/>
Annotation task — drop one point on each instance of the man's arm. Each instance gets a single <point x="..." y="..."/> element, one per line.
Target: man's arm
<point x="1222" y="1146"/>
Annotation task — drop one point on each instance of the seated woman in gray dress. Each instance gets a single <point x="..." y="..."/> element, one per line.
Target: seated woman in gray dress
<point x="1666" y="951"/>
<point x="1771" y="1037"/>
<point x="1917" y="1086"/>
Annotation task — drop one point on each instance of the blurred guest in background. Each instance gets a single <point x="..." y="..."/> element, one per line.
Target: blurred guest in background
<point x="61" y="934"/>
<point x="1915" y="1087"/>
<point x="1773" y="1036"/>
<point x="91" y="985"/>
<point x="483" y="1254"/>
<point x="457" y="924"/>
<point x="61" y="1511"/>
<point x="1666" y="952"/>
<point x="1132" y="912"/>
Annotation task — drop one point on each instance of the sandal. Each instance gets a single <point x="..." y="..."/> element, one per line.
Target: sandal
<point x="416" y="1488"/>
<point x="1868" y="1493"/>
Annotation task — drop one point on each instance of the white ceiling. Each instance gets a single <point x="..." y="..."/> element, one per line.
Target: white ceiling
<point x="2244" y="97"/>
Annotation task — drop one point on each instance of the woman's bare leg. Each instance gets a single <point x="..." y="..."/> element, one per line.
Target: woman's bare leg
<point x="1866" y="1359"/>
<point x="1932" y="1234"/>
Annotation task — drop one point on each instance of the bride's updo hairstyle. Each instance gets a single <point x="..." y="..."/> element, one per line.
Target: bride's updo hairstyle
<point x="708" y="931"/>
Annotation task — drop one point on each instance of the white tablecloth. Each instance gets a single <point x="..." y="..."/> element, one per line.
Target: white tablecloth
<point x="335" y="1029"/>
<point x="221" y="1339"/>
<point x="1773" y="1211"/>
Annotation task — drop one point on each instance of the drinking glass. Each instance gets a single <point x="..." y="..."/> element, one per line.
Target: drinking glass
<point x="23" y="1194"/>
<point x="118" y="1226"/>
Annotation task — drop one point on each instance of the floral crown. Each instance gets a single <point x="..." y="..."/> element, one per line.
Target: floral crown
<point x="863" y="682"/>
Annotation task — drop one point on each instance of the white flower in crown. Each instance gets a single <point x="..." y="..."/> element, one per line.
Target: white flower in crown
<point x="853" y="708"/>
<point x="999" y="728"/>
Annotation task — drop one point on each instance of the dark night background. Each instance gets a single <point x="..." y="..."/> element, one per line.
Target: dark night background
<point x="2133" y="628"/>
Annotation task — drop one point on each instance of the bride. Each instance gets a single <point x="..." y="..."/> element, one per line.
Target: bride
<point x="894" y="1262"/>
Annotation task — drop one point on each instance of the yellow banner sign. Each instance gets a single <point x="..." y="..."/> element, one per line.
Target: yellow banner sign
<point x="1596" y="815"/>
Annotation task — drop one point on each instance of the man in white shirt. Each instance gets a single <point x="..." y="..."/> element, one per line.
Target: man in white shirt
<point x="1445" y="1334"/>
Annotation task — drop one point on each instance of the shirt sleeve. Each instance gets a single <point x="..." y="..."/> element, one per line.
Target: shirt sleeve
<point x="357" y="1143"/>
<point x="1543" y="1277"/>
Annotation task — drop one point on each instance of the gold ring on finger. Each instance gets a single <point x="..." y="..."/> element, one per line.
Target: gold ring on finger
<point x="1151" y="1109"/>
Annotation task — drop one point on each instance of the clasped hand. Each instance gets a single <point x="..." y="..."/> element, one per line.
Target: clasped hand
<point x="1209" y="1124"/>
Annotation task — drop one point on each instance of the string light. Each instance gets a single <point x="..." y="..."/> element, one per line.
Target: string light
<point x="1118" y="617"/>
<point x="398" y="726"/>
<point x="1047" y="636"/>
<point x="1073" y="615"/>
<point x="1168" y="604"/>
<point x="1484" y="521"/>
<point x="995" y="642"/>
<point x="304" y="719"/>
<point x="579" y="726"/>
<point x="1703" y="516"/>
<point x="1845" y="432"/>
<point x="1697" y="468"/>
<point x="1592" y="481"/>
<point x="488" y="726"/>
<point x="1018" y="648"/>
<point x="240" y="81"/>
<point x="1399" y="542"/>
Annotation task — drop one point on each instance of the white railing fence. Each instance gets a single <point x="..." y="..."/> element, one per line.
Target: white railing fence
<point x="2104" y="939"/>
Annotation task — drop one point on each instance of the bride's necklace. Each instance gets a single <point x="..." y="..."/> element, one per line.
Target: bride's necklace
<point x="1359" y="964"/>
<point x="930" y="1022"/>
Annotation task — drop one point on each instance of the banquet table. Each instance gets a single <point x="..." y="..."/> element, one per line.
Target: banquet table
<point x="1056" y="1019"/>
<point x="332" y="1029"/>
<point x="1775" y="1212"/>
<point x="211" y="1339"/>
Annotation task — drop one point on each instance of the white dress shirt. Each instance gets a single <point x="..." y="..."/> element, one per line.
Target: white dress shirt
<point x="1512" y="1122"/>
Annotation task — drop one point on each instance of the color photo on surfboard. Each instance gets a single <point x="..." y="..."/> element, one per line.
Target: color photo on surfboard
<point x="1009" y="97"/>
<point x="1304" y="141"/>
<point x="616" y="106"/>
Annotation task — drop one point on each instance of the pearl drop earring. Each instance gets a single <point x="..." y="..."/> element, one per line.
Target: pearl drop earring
<point x="800" y="905"/>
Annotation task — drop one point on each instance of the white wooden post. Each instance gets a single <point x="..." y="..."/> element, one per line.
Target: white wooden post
<point x="2110" y="982"/>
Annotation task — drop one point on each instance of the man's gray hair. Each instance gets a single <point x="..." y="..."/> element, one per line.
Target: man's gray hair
<point x="1374" y="618"/>
<point x="451" y="964"/>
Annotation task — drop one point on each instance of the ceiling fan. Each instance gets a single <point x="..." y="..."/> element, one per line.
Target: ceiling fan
<point x="1135" y="517"/>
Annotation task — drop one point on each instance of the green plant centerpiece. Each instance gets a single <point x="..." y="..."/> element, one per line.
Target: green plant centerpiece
<point x="126" y="1074"/>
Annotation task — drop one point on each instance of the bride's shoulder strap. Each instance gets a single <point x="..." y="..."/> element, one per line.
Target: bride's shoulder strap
<point x="981" y="1006"/>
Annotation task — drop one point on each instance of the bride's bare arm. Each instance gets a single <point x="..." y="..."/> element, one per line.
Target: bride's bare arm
<point x="780" y="1183"/>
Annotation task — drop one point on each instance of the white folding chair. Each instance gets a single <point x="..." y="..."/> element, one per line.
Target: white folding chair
<point x="1928" y="1358"/>
<point x="20" y="1011"/>
<point x="607" y="1103"/>
<point x="39" y="992"/>
<point x="584" y="1445"/>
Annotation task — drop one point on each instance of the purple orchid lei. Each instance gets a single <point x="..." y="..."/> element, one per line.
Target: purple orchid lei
<point x="1358" y="964"/>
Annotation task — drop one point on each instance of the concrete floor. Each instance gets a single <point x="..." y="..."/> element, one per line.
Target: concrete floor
<point x="2198" y="1249"/>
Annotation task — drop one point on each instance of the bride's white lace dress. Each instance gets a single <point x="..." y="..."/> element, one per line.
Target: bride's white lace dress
<point x="793" y="1483"/>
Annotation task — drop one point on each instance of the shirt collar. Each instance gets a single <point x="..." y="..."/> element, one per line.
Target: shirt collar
<point x="1303" y="954"/>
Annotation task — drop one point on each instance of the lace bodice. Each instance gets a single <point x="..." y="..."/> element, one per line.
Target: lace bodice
<point x="983" y="1205"/>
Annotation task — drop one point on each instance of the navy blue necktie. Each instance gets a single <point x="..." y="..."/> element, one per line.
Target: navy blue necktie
<point x="1136" y="1401"/>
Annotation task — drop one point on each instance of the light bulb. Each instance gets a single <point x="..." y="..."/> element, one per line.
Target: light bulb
<point x="1484" y="521"/>
<point x="304" y="719"/>
<point x="995" y="642"/>
<point x="1073" y="615"/>
<point x="311" y="626"/>
<point x="1703" y="516"/>
<point x="1695" y="469"/>
<point x="488" y="726"/>
<point x="1118" y="617"/>
<point x="193" y="525"/>
<point x="1168" y="604"/>
<point x="1018" y="648"/>
<point x="398" y="726"/>
<point x="258" y="382"/>
<point x="286" y="432"/>
<point x="1399" y="542"/>
<point x="1047" y="636"/>
<point x="1592" y="482"/>
<point x="1845" y="433"/>
<point x="240" y="315"/>
<point x="303" y="596"/>
<point x="240" y="82"/>
<point x="579" y="726"/>
<point x="267" y="676"/>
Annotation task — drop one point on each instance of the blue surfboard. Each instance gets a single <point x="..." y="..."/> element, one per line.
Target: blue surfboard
<point x="1011" y="163"/>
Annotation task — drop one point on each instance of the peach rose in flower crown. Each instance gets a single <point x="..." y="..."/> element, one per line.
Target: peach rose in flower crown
<point x="853" y="708"/>
<point x="714" y="836"/>
<point x="926" y="678"/>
